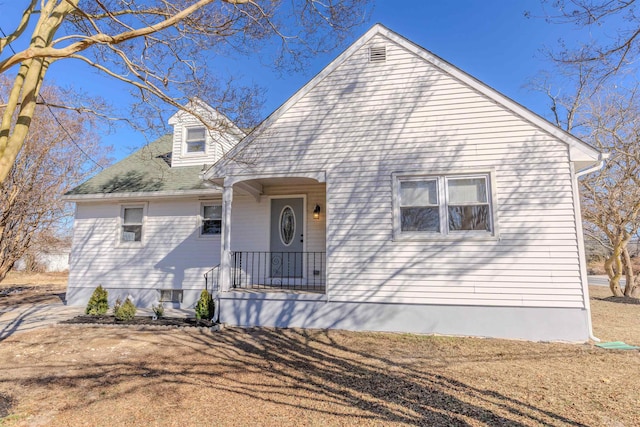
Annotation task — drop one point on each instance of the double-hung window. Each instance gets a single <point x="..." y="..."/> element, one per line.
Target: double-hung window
<point x="131" y="224"/>
<point x="211" y="217"/>
<point x="419" y="206"/>
<point x="443" y="206"/>
<point x="468" y="206"/>
<point x="195" y="140"/>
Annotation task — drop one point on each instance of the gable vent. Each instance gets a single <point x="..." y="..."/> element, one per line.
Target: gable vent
<point x="378" y="54"/>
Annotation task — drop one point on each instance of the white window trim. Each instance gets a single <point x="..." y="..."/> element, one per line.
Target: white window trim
<point x="185" y="132"/>
<point x="201" y="219"/>
<point x="443" y="235"/>
<point x="119" y="242"/>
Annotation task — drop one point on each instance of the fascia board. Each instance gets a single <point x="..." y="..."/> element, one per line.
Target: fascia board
<point x="141" y="195"/>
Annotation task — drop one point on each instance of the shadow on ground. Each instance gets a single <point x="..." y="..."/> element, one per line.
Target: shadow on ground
<point x="284" y="376"/>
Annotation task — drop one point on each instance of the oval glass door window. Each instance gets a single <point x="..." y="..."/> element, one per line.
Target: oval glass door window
<point x="287" y="225"/>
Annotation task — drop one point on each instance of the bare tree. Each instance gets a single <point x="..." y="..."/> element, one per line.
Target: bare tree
<point x="611" y="197"/>
<point x="608" y="119"/>
<point x="604" y="112"/>
<point x="164" y="49"/>
<point x="617" y="23"/>
<point x="53" y="160"/>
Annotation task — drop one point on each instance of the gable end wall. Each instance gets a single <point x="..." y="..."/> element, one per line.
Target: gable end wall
<point x="365" y="121"/>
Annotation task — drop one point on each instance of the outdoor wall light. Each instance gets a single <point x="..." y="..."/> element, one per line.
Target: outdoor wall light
<point x="316" y="212"/>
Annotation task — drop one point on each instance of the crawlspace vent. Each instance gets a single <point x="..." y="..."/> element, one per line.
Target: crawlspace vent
<point x="378" y="54"/>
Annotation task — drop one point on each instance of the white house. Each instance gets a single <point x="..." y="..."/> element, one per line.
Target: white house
<point x="392" y="192"/>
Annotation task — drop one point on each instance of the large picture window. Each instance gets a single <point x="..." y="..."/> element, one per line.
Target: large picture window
<point x="443" y="205"/>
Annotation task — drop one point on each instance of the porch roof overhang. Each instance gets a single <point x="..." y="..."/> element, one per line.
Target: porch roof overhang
<point x="254" y="184"/>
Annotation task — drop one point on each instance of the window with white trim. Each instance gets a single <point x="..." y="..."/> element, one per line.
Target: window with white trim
<point x="468" y="204"/>
<point x="211" y="219"/>
<point x="131" y="224"/>
<point x="443" y="205"/>
<point x="195" y="140"/>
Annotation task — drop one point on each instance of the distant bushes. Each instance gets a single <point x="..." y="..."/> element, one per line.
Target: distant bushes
<point x="98" y="303"/>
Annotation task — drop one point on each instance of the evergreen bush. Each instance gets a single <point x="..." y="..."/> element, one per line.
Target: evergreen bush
<point x="124" y="310"/>
<point x="158" y="310"/>
<point x="98" y="303"/>
<point x="205" y="307"/>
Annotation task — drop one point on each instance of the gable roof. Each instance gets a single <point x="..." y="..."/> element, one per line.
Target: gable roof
<point x="146" y="172"/>
<point x="579" y="150"/>
<point x="209" y="117"/>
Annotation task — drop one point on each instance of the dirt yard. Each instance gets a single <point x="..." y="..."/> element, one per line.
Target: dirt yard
<point x="98" y="376"/>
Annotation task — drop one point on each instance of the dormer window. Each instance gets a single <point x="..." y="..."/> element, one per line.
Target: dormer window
<point x="195" y="140"/>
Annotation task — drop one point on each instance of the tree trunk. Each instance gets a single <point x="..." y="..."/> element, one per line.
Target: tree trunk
<point x="613" y="267"/>
<point x="4" y="269"/>
<point x="628" y="270"/>
<point x="632" y="289"/>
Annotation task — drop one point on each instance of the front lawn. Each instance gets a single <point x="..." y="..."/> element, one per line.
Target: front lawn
<point x="71" y="375"/>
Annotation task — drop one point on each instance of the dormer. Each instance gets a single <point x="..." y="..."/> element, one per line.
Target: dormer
<point x="201" y="135"/>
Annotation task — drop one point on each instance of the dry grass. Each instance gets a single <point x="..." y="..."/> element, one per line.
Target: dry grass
<point x="40" y="288"/>
<point x="68" y="375"/>
<point x="614" y="321"/>
<point x="35" y="279"/>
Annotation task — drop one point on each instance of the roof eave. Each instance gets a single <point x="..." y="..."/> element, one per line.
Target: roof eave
<point x="173" y="194"/>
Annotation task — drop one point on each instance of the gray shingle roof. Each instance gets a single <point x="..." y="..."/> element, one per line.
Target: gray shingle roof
<point x="146" y="170"/>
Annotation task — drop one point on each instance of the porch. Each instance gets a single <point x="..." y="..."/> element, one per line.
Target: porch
<point x="278" y="271"/>
<point x="273" y="235"/>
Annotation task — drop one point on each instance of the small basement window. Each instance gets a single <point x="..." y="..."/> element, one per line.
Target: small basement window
<point x="195" y="140"/>
<point x="171" y="295"/>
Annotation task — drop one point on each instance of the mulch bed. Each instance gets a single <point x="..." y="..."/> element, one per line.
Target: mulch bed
<point x="139" y="321"/>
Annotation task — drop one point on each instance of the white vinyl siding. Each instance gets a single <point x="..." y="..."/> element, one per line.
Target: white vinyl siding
<point x="364" y="122"/>
<point x="173" y="255"/>
<point x="218" y="140"/>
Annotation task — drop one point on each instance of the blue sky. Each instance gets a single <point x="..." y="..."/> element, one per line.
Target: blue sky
<point x="492" y="40"/>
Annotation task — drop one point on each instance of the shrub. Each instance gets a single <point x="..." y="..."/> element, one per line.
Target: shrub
<point x="98" y="303"/>
<point x="124" y="310"/>
<point x="158" y="310"/>
<point x="205" y="307"/>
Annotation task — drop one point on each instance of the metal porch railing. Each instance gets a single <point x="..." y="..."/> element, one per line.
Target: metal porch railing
<point x="211" y="279"/>
<point x="300" y="271"/>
